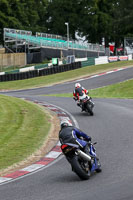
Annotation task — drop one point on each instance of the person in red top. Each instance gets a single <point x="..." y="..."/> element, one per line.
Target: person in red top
<point x="79" y="94"/>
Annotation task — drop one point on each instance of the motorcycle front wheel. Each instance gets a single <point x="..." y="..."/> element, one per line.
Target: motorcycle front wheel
<point x="99" y="169"/>
<point x="79" y="170"/>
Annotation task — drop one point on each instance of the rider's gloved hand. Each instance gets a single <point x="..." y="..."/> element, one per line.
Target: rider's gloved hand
<point x="89" y="139"/>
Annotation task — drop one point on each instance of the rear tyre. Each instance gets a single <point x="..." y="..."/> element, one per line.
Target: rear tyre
<point x="78" y="169"/>
<point x="89" y="108"/>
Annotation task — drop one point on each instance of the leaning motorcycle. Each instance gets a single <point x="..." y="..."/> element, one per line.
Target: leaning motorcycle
<point x="83" y="164"/>
<point x="87" y="104"/>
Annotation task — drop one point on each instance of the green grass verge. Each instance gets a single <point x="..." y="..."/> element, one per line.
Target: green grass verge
<point x="60" y="77"/>
<point x="118" y="90"/>
<point x="23" y="129"/>
<point x="24" y="126"/>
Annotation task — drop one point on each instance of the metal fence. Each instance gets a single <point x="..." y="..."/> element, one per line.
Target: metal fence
<point x="47" y="40"/>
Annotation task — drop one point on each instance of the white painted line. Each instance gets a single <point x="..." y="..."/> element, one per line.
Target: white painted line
<point x="64" y="118"/>
<point x="60" y="112"/>
<point x="79" y="80"/>
<point x="120" y="69"/>
<point x="4" y="179"/>
<point x="94" y="76"/>
<point x="73" y="119"/>
<point x="2" y="73"/>
<point x="59" y="144"/>
<point x="53" y="154"/>
<point x="109" y="72"/>
<point x="32" y="168"/>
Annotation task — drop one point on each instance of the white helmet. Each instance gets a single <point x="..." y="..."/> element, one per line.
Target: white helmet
<point x="77" y="85"/>
<point x="64" y="123"/>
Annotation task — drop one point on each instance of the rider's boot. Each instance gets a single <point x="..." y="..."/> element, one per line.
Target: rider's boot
<point x="78" y="104"/>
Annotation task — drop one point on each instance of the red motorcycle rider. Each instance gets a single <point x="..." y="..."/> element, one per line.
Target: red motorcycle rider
<point x="79" y="94"/>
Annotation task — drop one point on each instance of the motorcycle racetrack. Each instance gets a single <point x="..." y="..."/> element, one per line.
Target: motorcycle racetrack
<point x="111" y="126"/>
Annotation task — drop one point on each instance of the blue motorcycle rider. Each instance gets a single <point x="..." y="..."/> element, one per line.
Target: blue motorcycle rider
<point x="71" y="134"/>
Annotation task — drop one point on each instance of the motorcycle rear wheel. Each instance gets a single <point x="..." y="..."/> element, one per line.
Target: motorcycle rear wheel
<point x="89" y="110"/>
<point x="77" y="168"/>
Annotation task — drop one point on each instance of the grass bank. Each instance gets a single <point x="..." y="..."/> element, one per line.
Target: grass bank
<point x="118" y="90"/>
<point x="23" y="128"/>
<point x="61" y="77"/>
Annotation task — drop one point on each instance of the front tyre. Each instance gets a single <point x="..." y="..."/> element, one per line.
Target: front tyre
<point x="99" y="169"/>
<point x="79" y="170"/>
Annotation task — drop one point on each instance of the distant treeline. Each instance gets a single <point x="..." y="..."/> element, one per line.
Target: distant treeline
<point x="95" y="19"/>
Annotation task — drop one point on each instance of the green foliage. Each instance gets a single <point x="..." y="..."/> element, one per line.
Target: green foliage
<point x="95" y="19"/>
<point x="58" y="13"/>
<point x="123" y="17"/>
<point x="23" y="14"/>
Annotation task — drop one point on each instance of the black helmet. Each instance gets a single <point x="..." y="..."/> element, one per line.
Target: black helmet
<point x="64" y="123"/>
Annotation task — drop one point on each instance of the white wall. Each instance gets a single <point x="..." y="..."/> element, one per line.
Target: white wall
<point x="101" y="60"/>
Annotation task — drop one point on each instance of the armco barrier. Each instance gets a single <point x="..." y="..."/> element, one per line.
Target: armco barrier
<point x="15" y="77"/>
<point x="101" y="60"/>
<point x="113" y="58"/>
<point x="12" y="72"/>
<point x="123" y="58"/>
<point x="59" y="69"/>
<point x="88" y="62"/>
<point x="8" y="77"/>
<point x="41" y="66"/>
<point x="41" y="72"/>
<point x="2" y="78"/>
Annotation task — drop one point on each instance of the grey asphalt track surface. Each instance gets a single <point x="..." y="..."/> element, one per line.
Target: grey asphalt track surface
<point x="89" y="83"/>
<point x="111" y="126"/>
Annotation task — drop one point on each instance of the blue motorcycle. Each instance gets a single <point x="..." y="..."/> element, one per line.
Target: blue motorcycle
<point x="83" y="164"/>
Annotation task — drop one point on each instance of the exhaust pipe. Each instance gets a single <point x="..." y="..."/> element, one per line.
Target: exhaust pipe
<point x="83" y="155"/>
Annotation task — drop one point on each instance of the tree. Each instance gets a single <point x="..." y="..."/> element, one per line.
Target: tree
<point x="58" y="13"/>
<point x="97" y="20"/>
<point x="90" y="18"/>
<point x="94" y="19"/>
<point x="23" y="14"/>
<point x="6" y="17"/>
<point x="123" y="17"/>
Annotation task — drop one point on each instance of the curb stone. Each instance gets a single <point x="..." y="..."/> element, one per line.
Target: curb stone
<point x="48" y="158"/>
<point x="55" y="151"/>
